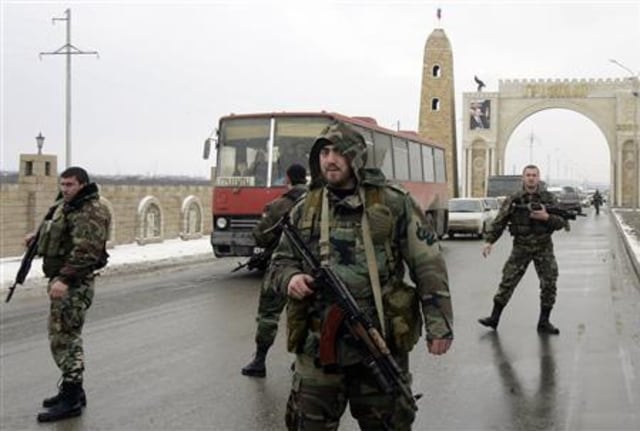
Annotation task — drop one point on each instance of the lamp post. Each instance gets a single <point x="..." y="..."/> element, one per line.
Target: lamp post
<point x="39" y="142"/>
<point x="636" y="93"/>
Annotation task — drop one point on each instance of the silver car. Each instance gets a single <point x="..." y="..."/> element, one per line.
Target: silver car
<point x="469" y="216"/>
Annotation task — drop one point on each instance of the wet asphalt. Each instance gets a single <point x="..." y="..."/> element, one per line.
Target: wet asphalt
<point x="164" y="349"/>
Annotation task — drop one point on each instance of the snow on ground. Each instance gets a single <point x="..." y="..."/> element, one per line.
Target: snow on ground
<point x="121" y="258"/>
<point x="629" y="225"/>
<point x="127" y="257"/>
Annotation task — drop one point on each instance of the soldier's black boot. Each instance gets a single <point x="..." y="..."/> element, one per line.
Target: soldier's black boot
<point x="544" y="326"/>
<point x="68" y="405"/>
<point x="493" y="320"/>
<point x="51" y="401"/>
<point x="257" y="368"/>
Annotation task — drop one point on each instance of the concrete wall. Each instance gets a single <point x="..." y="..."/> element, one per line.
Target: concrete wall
<point x="140" y="213"/>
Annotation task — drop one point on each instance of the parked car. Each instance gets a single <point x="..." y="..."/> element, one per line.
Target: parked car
<point x="568" y="198"/>
<point x="468" y="216"/>
<point x="494" y="206"/>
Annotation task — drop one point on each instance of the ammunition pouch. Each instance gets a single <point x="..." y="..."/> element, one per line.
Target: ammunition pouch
<point x="402" y="311"/>
<point x="297" y="323"/>
<point x="381" y="223"/>
<point x="53" y="243"/>
<point x="52" y="236"/>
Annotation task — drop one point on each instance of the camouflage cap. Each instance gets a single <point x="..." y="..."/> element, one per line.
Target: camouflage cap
<point x="350" y="143"/>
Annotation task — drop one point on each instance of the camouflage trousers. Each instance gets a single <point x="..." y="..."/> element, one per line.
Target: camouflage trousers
<point x="270" y="306"/>
<point x="66" y="319"/>
<point x="541" y="253"/>
<point x="318" y="399"/>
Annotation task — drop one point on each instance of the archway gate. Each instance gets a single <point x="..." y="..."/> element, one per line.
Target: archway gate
<point x="490" y="118"/>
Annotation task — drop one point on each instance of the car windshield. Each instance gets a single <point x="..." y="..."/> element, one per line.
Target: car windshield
<point x="244" y="148"/>
<point x="465" y="206"/>
<point x="492" y="203"/>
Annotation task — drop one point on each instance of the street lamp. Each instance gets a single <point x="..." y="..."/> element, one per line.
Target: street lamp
<point x="40" y="142"/>
<point x="636" y="93"/>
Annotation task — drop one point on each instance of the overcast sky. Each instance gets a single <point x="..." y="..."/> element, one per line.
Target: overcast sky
<point x="167" y="71"/>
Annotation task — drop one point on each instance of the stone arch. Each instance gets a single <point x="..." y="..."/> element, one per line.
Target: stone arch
<point x="191" y="218"/>
<point x="111" y="240"/>
<point x="509" y="127"/>
<point x="608" y="103"/>
<point x="150" y="221"/>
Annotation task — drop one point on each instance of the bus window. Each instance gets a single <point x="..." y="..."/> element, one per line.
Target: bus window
<point x="400" y="159"/>
<point x="294" y="137"/>
<point x="227" y="163"/>
<point x="415" y="161"/>
<point x="439" y="162"/>
<point x="427" y="162"/>
<point x="243" y="152"/>
<point x="257" y="166"/>
<point x="383" y="157"/>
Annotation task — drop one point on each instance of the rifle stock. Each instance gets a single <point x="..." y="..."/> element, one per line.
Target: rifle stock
<point x="259" y="261"/>
<point x="379" y="360"/>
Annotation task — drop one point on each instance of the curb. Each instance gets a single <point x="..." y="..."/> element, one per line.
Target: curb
<point x="627" y="245"/>
<point x="32" y="284"/>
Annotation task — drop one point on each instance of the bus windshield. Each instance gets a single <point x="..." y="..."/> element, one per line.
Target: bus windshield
<point x="243" y="158"/>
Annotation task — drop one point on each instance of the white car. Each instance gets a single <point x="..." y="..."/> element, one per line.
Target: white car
<point x="468" y="216"/>
<point x="494" y="205"/>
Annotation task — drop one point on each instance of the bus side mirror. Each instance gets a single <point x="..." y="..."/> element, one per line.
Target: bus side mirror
<point x="207" y="148"/>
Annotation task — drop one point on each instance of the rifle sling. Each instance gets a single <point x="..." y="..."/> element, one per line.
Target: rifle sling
<point x="372" y="264"/>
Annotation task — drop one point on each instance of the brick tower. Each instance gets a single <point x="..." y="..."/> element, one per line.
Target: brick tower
<point x="437" y="120"/>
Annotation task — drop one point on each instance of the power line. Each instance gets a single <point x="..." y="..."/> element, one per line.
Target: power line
<point x="68" y="49"/>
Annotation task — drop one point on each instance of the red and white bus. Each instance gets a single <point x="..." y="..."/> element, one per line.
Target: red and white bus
<point x="254" y="151"/>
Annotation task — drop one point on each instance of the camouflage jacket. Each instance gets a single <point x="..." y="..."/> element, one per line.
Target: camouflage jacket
<point x="514" y="215"/>
<point x="274" y="212"/>
<point x="400" y="235"/>
<point x="73" y="241"/>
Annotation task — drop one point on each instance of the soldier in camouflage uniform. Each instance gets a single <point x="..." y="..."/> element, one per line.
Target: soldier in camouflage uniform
<point x="72" y="244"/>
<point x="531" y="231"/>
<point x="272" y="301"/>
<point x="367" y="230"/>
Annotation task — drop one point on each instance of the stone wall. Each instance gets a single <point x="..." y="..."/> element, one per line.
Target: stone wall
<point x="141" y="213"/>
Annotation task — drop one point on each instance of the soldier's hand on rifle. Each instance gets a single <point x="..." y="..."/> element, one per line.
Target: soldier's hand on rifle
<point x="300" y="286"/>
<point x="58" y="289"/>
<point x="486" y="249"/>
<point x="439" y="346"/>
<point x="540" y="214"/>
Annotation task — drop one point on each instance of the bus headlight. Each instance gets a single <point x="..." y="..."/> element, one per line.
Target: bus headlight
<point x="221" y="223"/>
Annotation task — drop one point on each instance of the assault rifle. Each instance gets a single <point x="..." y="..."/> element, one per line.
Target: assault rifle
<point x="27" y="259"/>
<point x="258" y="260"/>
<point x="551" y="209"/>
<point x="378" y="357"/>
<point x="25" y="265"/>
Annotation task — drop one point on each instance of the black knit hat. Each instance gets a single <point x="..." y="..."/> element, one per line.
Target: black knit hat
<point x="297" y="174"/>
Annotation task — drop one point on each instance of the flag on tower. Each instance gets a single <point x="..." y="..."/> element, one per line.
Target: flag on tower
<point x="439" y="14"/>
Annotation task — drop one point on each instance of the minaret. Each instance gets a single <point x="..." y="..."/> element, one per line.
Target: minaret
<point x="437" y="120"/>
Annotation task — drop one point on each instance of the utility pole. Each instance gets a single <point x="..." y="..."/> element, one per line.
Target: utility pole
<point x="68" y="49"/>
<point x="531" y="138"/>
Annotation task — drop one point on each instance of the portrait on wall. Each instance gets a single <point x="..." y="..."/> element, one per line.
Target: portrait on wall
<point x="480" y="114"/>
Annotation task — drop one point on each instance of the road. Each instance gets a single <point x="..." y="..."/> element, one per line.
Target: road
<point x="164" y="349"/>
